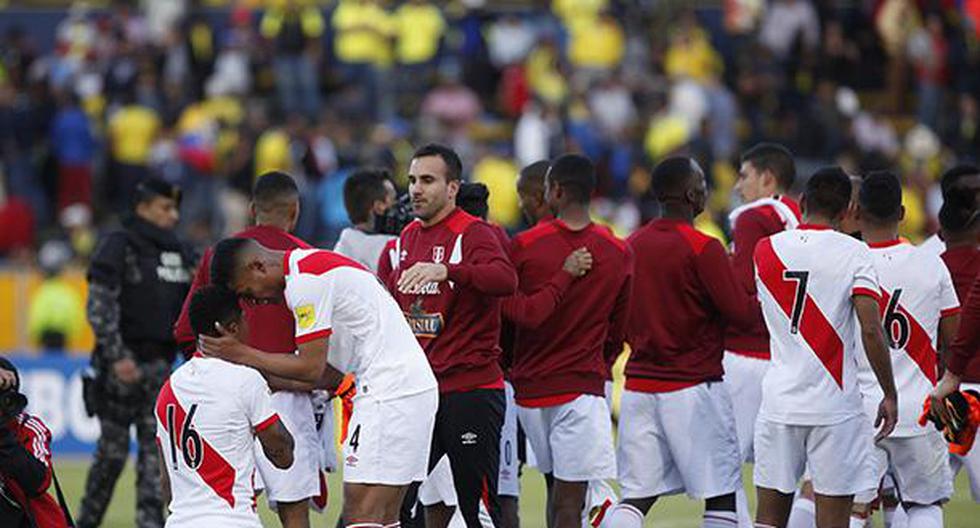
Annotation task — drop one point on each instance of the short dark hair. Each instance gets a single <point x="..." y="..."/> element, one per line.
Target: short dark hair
<point x="213" y="304"/>
<point x="671" y="175"/>
<point x="472" y="198"/>
<point x="953" y="175"/>
<point x="454" y="167"/>
<point x="575" y="174"/>
<point x="225" y="260"/>
<point x="272" y="188"/>
<point x="361" y="190"/>
<point x="959" y="211"/>
<point x="536" y="172"/>
<point x="880" y="196"/>
<point x="775" y="158"/>
<point x="828" y="192"/>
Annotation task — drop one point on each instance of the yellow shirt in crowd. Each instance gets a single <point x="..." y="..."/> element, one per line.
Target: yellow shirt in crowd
<point x="55" y="307"/>
<point x="132" y="131"/>
<point x="599" y="43"/>
<point x="419" y="28"/>
<point x="692" y="56"/>
<point x="272" y="152"/>
<point x="499" y="175"/>
<point x="363" y="29"/>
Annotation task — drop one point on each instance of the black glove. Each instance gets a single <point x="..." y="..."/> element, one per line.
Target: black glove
<point x="18" y="464"/>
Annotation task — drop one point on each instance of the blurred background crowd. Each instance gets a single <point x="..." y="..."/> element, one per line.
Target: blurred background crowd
<point x="96" y="96"/>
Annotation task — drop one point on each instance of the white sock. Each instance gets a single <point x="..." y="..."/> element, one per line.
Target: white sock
<point x="366" y="525"/>
<point x="623" y="516"/>
<point x="394" y="525"/>
<point x="742" y="508"/>
<point x="803" y="514"/>
<point x="895" y="517"/>
<point x="858" y="522"/>
<point x="925" y="517"/>
<point x="719" y="519"/>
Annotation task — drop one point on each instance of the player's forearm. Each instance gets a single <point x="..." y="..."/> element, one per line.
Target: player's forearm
<point x="278" y="383"/>
<point x="291" y="366"/>
<point x="496" y="278"/>
<point x="531" y="311"/>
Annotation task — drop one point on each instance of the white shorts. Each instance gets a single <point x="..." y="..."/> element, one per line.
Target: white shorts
<point x="743" y="377"/>
<point x="388" y="441"/>
<point x="302" y="479"/>
<point x="508" y="482"/>
<point x="834" y="456"/>
<point x="573" y="441"/>
<point x="439" y="485"/>
<point x="679" y="441"/>
<point x="971" y="462"/>
<point x="919" y="466"/>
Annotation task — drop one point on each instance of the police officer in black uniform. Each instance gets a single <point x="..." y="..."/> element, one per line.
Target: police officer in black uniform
<point x="137" y="282"/>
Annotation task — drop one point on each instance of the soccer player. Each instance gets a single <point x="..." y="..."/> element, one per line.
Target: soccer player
<point x="339" y="305"/>
<point x="765" y="176"/>
<point x="449" y="279"/>
<point x="208" y="414"/>
<point x="919" y="304"/>
<point x="561" y="357"/>
<point x="819" y="294"/>
<point x="275" y="207"/>
<point x="960" y="221"/>
<point x="368" y="193"/>
<point x="676" y="427"/>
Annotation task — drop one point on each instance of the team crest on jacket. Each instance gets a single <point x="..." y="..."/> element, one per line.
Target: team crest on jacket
<point x="438" y="254"/>
<point x="426" y="325"/>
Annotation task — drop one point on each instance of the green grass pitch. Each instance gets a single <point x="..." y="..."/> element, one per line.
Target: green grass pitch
<point x="673" y="512"/>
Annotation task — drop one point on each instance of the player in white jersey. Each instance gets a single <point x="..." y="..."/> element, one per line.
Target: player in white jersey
<point x="920" y="305"/>
<point x="812" y="281"/>
<point x="390" y="431"/>
<point x="208" y="414"/>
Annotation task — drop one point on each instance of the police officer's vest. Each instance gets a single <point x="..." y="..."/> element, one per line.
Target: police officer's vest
<point x="156" y="276"/>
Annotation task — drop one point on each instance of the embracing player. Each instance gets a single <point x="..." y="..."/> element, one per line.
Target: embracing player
<point x="275" y="207"/>
<point x="387" y="447"/>
<point x="819" y="294"/>
<point x="208" y="415"/>
<point x="919" y="304"/>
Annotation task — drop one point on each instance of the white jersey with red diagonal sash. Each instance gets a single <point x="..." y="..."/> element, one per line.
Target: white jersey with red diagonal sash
<point x="806" y="278"/>
<point x="207" y="415"/>
<point x="916" y="292"/>
<point x="334" y="296"/>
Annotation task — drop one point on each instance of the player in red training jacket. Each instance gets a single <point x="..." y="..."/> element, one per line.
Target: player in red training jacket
<point x="275" y="206"/>
<point x="684" y="296"/>
<point x="561" y="356"/>
<point x="449" y="279"/>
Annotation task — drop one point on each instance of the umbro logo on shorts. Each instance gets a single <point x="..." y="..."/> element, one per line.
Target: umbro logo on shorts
<point x="468" y="438"/>
<point x="352" y="461"/>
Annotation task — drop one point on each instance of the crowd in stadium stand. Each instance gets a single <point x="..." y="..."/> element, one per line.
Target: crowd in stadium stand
<point x="208" y="99"/>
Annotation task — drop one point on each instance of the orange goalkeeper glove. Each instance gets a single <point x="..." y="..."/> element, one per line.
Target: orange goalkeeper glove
<point x="960" y="428"/>
<point x="346" y="392"/>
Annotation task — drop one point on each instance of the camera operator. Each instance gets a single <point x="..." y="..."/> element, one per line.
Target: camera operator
<point x="25" y="461"/>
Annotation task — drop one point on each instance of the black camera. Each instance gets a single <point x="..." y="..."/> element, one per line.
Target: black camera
<point x="395" y="218"/>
